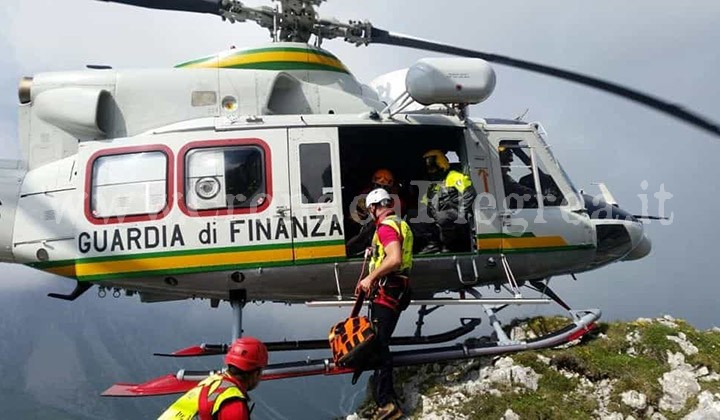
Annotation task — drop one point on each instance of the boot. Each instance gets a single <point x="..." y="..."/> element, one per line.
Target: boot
<point x="431" y="248"/>
<point x="389" y="411"/>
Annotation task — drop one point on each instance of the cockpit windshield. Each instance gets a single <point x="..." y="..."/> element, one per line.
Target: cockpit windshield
<point x="550" y="158"/>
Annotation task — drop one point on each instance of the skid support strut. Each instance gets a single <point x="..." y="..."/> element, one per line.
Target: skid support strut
<point x="545" y="289"/>
<point x="422" y="313"/>
<point x="491" y="312"/>
<point x="238" y="298"/>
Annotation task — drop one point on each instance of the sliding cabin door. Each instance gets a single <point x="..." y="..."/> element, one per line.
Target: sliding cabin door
<point x="316" y="200"/>
<point x="484" y="174"/>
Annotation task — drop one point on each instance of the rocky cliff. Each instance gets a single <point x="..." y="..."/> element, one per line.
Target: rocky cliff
<point x="650" y="368"/>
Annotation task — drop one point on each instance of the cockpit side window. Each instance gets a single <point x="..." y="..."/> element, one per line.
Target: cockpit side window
<point x="517" y="175"/>
<point x="549" y="189"/>
<point x="521" y="191"/>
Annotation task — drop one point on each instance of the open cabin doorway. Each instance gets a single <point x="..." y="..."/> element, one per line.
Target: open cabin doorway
<point x="399" y="150"/>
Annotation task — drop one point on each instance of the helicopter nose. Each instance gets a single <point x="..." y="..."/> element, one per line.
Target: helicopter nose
<point x="620" y="235"/>
<point x="641" y="244"/>
<point x="635" y="231"/>
<point x="620" y="240"/>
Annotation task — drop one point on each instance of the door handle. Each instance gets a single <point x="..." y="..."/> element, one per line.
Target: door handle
<point x="506" y="218"/>
<point x="282" y="211"/>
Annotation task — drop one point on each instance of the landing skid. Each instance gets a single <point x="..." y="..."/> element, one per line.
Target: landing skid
<point x="184" y="380"/>
<point x="583" y="321"/>
<point x="467" y="326"/>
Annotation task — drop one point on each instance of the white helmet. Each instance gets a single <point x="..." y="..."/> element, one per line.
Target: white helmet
<point x="376" y="196"/>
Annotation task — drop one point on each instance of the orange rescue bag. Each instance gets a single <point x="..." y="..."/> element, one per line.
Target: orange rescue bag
<point x="352" y="340"/>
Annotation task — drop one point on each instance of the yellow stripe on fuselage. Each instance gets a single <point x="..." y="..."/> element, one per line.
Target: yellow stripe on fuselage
<point x="268" y="57"/>
<point x="521" y="243"/>
<point x="64" y="271"/>
<point x="315" y="252"/>
<point x="85" y="269"/>
<point x="182" y="261"/>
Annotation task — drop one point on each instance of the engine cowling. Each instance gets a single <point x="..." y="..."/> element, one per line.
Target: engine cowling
<point x="75" y="110"/>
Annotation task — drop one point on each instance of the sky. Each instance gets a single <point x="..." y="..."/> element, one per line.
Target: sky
<point x="666" y="48"/>
<point x="651" y="45"/>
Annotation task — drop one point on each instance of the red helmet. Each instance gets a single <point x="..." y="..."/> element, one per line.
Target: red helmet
<point x="247" y="354"/>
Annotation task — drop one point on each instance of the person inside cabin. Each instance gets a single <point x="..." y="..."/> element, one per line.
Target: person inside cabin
<point x="381" y="178"/>
<point x="518" y="194"/>
<point x="243" y="174"/>
<point x="551" y="194"/>
<point x="448" y="202"/>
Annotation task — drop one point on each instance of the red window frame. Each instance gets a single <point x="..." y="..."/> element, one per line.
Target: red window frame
<point x="207" y="144"/>
<point x="169" y="186"/>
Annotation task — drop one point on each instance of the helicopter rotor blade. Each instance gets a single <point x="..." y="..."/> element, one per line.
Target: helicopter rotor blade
<point x="380" y="36"/>
<point x="198" y="6"/>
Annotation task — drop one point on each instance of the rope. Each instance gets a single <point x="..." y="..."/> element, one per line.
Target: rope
<point x="510" y="276"/>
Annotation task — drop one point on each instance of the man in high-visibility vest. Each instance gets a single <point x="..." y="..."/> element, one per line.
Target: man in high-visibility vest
<point x="449" y="201"/>
<point x="224" y="396"/>
<point x="388" y="277"/>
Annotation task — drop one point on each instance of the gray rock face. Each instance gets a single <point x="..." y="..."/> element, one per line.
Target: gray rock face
<point x="679" y="384"/>
<point x="602" y="393"/>
<point x="710" y="377"/>
<point x="634" y="399"/>
<point x="505" y="372"/>
<point x="437" y="410"/>
<point x="708" y="407"/>
<point x="687" y="347"/>
<point x="470" y="379"/>
<point x="667" y="321"/>
<point x="633" y="337"/>
<point x="457" y="386"/>
<point x="510" y="415"/>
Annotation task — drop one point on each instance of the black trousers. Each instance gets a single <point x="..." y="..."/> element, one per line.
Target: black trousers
<point x="384" y="319"/>
<point x="444" y="230"/>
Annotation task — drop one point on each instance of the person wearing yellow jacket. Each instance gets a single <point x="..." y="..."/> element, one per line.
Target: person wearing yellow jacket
<point x="224" y="396"/>
<point x="449" y="201"/>
<point x="388" y="285"/>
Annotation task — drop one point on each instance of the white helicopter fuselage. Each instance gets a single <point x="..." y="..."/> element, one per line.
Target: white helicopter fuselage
<point x="240" y="171"/>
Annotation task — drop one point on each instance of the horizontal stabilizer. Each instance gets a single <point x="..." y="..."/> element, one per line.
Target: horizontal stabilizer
<point x="164" y="385"/>
<point x="196" y="351"/>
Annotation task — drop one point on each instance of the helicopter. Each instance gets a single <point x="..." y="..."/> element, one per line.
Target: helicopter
<point x="80" y="215"/>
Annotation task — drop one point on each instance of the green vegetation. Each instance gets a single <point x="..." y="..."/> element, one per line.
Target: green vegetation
<point x="623" y="355"/>
<point x="534" y="405"/>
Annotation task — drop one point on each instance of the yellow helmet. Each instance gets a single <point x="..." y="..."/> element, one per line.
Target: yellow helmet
<point x="436" y="157"/>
